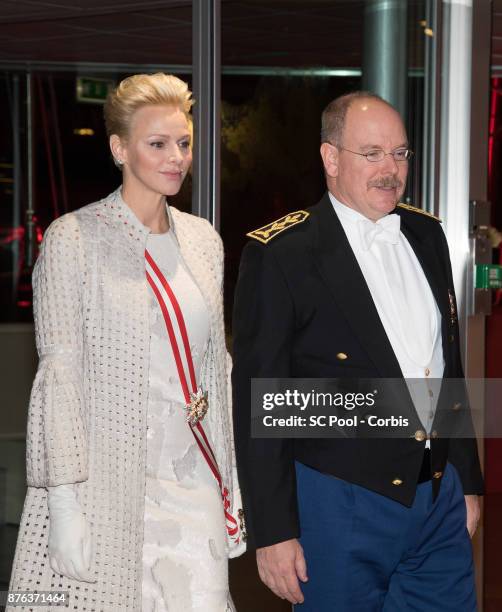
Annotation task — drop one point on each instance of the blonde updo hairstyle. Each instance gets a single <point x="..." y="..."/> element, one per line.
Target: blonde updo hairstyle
<point x="140" y="90"/>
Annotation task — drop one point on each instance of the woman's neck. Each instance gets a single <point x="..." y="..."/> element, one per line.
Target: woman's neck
<point x="148" y="206"/>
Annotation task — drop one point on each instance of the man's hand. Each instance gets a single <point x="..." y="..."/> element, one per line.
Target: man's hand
<point x="473" y="513"/>
<point x="280" y="566"/>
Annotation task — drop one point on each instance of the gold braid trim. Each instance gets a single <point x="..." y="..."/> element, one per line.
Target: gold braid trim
<point x="419" y="211"/>
<point x="267" y="232"/>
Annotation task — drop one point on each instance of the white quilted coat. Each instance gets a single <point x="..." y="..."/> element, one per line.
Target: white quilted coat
<point x="87" y="416"/>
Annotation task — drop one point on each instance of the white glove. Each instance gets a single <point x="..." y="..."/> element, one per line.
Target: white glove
<point x="69" y="535"/>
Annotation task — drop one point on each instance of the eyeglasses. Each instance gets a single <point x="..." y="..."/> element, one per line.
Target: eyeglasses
<point x="377" y="155"/>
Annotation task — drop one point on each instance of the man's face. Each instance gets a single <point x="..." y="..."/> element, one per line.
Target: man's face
<point x="371" y="188"/>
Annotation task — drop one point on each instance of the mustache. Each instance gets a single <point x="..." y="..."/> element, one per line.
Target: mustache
<point x="387" y="182"/>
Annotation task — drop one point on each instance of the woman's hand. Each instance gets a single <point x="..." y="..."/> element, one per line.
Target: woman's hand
<point x="69" y="536"/>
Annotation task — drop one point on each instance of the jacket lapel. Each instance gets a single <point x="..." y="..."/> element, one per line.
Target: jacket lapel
<point x="341" y="273"/>
<point x="426" y="256"/>
<point x="196" y="263"/>
<point x="213" y="371"/>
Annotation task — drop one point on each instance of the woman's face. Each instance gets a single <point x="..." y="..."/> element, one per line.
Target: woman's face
<point x="157" y="152"/>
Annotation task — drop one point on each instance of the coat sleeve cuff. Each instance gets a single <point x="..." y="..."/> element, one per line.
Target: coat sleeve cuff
<point x="56" y="445"/>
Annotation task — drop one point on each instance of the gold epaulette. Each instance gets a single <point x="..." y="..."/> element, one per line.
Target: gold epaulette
<point x="267" y="232"/>
<point x="419" y="211"/>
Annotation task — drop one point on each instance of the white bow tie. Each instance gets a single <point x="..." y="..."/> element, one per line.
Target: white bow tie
<point x="385" y="229"/>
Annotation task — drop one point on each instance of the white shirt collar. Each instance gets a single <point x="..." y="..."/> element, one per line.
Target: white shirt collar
<point x="342" y="210"/>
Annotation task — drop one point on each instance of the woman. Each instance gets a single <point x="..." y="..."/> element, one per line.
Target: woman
<point x="132" y="490"/>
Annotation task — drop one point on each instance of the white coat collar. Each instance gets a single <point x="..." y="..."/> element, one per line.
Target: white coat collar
<point x="122" y="216"/>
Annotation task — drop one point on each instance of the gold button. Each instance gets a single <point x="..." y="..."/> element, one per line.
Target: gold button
<point x="452" y="338"/>
<point x="437" y="474"/>
<point x="431" y="393"/>
<point x="457" y="406"/>
<point x="341" y="356"/>
<point x="427" y="371"/>
<point x="434" y="434"/>
<point x="397" y="481"/>
<point x="420" y="435"/>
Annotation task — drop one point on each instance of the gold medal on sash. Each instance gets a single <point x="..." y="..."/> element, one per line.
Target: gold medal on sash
<point x="198" y="406"/>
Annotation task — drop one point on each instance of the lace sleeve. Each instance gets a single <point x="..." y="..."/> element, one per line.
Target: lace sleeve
<point x="56" y="448"/>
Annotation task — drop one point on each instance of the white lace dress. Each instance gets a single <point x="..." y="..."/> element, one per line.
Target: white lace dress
<point x="184" y="555"/>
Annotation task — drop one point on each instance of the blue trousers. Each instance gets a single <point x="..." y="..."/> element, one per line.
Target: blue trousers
<point x="368" y="553"/>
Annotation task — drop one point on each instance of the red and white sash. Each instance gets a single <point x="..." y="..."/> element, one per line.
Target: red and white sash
<point x="177" y="329"/>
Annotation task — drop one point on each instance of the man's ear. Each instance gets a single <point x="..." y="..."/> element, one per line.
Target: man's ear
<point x="118" y="150"/>
<point x="329" y="154"/>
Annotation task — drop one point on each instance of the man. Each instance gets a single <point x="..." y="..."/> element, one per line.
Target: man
<point x="356" y="286"/>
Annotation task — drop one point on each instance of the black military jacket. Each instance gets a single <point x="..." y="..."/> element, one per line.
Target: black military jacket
<point x="301" y="301"/>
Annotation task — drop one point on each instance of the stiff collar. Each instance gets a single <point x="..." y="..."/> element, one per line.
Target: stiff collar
<point x="348" y="213"/>
<point x="342" y="210"/>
